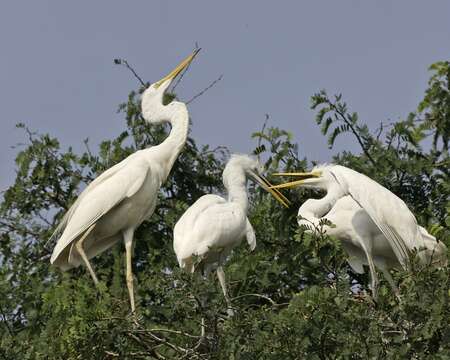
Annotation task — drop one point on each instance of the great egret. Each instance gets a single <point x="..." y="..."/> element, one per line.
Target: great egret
<point x="213" y="225"/>
<point x="115" y="203"/>
<point x="375" y="226"/>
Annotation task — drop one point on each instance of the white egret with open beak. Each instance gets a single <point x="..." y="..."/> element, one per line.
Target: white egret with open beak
<point x="214" y="225"/>
<point x="117" y="202"/>
<point x="375" y="226"/>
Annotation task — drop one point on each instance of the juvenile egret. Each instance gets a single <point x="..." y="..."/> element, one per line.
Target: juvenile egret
<point x="116" y="202"/>
<point x="375" y="226"/>
<point x="213" y="225"/>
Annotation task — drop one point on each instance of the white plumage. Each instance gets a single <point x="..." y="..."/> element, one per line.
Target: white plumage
<point x="375" y="226"/>
<point x="213" y="225"/>
<point x="115" y="203"/>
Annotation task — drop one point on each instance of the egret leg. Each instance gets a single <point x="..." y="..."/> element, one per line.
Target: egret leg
<point x="203" y="328"/>
<point x="203" y="331"/>
<point x="391" y="282"/>
<point x="221" y="277"/>
<point x="373" y="272"/>
<point x="128" y="239"/>
<point x="79" y="247"/>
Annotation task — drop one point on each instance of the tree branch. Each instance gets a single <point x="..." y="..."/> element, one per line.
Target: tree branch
<point x="205" y="89"/>
<point x="352" y="128"/>
<point x="129" y="67"/>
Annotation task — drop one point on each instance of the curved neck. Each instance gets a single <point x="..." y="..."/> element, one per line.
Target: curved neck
<point x="317" y="208"/>
<point x="313" y="210"/>
<point x="168" y="151"/>
<point x="236" y="185"/>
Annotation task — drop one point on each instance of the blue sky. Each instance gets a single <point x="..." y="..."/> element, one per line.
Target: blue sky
<point x="57" y="74"/>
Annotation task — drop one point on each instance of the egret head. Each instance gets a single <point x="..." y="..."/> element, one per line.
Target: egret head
<point x="244" y="162"/>
<point x="248" y="165"/>
<point x="319" y="178"/>
<point x="153" y="109"/>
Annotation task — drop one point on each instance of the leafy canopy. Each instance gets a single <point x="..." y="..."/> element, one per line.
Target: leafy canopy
<point x="292" y="295"/>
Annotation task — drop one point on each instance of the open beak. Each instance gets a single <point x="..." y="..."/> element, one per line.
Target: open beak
<point x="183" y="65"/>
<point x="266" y="185"/>
<point x="302" y="175"/>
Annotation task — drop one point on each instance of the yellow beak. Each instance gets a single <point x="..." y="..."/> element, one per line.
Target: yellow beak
<point x="183" y="65"/>
<point x="303" y="176"/>
<point x="266" y="185"/>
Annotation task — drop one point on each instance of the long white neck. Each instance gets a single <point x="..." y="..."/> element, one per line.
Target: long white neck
<point x="314" y="209"/>
<point x="236" y="184"/>
<point x="167" y="152"/>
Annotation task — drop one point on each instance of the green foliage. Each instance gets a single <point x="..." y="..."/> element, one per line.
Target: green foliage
<point x="295" y="297"/>
<point x="435" y="107"/>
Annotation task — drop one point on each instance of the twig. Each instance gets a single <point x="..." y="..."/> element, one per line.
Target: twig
<point x="262" y="297"/>
<point x="86" y="144"/>
<point x="263" y="128"/>
<point x="259" y="149"/>
<point x="380" y="130"/>
<point x="216" y="149"/>
<point x="124" y="62"/>
<point x="20" y="229"/>
<point x="110" y="353"/>
<point x="146" y="346"/>
<point x="175" y="332"/>
<point x="353" y="130"/>
<point x="205" y="89"/>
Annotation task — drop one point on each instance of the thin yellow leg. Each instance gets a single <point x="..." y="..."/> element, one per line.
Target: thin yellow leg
<point x="221" y="277"/>
<point x="79" y="247"/>
<point x="128" y="238"/>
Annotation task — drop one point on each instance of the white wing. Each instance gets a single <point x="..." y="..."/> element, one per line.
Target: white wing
<point x="185" y="224"/>
<point x="210" y="223"/>
<point x="96" y="182"/>
<point x="250" y="234"/>
<point x="100" y="197"/>
<point x="391" y="215"/>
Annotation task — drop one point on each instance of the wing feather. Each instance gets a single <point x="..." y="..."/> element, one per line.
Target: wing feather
<point x="250" y="234"/>
<point x="210" y="223"/>
<point x="101" y="197"/>
<point x="391" y="215"/>
<point x="94" y="184"/>
<point x="186" y="223"/>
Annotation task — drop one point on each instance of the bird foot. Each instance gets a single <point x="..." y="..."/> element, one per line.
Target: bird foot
<point x="136" y="318"/>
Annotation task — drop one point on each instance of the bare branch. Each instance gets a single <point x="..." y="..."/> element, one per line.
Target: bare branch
<point x="205" y="89"/>
<point x="176" y="332"/>
<point x="129" y="67"/>
<point x="262" y="297"/>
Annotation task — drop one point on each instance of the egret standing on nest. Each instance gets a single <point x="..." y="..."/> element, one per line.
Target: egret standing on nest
<point x="213" y="225"/>
<point x="117" y="202"/>
<point x="375" y="226"/>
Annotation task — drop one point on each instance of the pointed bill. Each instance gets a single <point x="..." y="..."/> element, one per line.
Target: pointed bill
<point x="183" y="65"/>
<point x="269" y="185"/>
<point x="287" y="185"/>
<point x="265" y="184"/>
<point x="302" y="175"/>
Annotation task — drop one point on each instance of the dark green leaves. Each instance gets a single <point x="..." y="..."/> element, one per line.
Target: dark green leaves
<point x="295" y="297"/>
